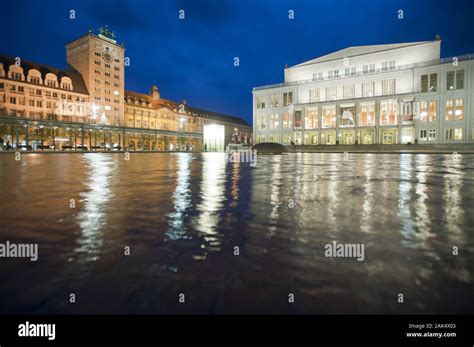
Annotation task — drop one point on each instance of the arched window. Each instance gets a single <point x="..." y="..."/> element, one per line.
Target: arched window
<point x="51" y="80"/>
<point x="66" y="83"/>
<point x="16" y="73"/>
<point x="34" y="76"/>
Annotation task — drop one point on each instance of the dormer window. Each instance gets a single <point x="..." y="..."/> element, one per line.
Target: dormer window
<point x="66" y="83"/>
<point x="34" y="80"/>
<point x="16" y="76"/>
<point x="51" y="83"/>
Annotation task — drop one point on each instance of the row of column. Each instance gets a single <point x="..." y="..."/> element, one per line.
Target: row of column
<point x="79" y="136"/>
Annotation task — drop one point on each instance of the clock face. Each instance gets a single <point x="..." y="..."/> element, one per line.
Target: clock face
<point x="106" y="55"/>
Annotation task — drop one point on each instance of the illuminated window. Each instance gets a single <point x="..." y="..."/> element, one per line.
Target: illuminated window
<point x="311" y="118"/>
<point x="455" y="80"/>
<point x="407" y="112"/>
<point x="433" y="82"/>
<point x="428" y="111"/>
<point x="454" y="134"/>
<point x="260" y="122"/>
<point x="432" y="135"/>
<point x="388" y="112"/>
<point x="454" y="110"/>
<point x="274" y="100"/>
<point x="328" y="117"/>
<point x="287" y="121"/>
<point x="274" y="121"/>
<point x="347" y="116"/>
<point x="298" y="119"/>
<point x="367" y="114"/>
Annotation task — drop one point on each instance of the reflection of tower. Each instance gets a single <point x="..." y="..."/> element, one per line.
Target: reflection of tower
<point x="100" y="60"/>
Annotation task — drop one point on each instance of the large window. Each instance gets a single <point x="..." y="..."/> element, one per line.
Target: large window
<point x="368" y="68"/>
<point x="328" y="117"/>
<point x="274" y="121"/>
<point x="347" y="116"/>
<point x="423" y="135"/>
<point x="298" y="119"/>
<point x="311" y="118"/>
<point x="454" y="134"/>
<point x="333" y="74"/>
<point x="460" y="79"/>
<point x="331" y="93"/>
<point x="429" y="83"/>
<point x="386" y="65"/>
<point x="388" y="87"/>
<point x="260" y="122"/>
<point x="274" y="102"/>
<point x="314" y="95"/>
<point x="388" y="112"/>
<point x="428" y="111"/>
<point x="368" y="89"/>
<point x="260" y="102"/>
<point x="348" y="91"/>
<point x="350" y="71"/>
<point x="454" y="110"/>
<point x="367" y="114"/>
<point x="433" y="82"/>
<point x="287" y="122"/>
<point x="432" y="135"/>
<point x="455" y="80"/>
<point x="287" y="98"/>
<point x="407" y="112"/>
<point x="318" y="76"/>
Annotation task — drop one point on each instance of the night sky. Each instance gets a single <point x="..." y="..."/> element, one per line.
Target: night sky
<point x="193" y="59"/>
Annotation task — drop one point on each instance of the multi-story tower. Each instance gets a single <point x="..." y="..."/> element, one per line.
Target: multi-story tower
<point x="100" y="60"/>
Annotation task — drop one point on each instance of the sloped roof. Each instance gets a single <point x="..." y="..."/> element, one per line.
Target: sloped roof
<point x="155" y="104"/>
<point x="359" y="50"/>
<point x="79" y="86"/>
<point x="174" y="106"/>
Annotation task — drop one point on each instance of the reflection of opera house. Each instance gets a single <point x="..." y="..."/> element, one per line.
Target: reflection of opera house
<point x="381" y="94"/>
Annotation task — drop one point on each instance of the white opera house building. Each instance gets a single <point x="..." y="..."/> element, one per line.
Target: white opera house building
<point x="379" y="94"/>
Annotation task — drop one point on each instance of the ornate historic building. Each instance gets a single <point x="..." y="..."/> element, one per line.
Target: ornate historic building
<point x="86" y="105"/>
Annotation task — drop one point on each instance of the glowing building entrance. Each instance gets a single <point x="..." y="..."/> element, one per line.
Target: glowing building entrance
<point x="214" y="137"/>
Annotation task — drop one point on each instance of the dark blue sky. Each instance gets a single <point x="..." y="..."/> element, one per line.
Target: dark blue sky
<point x="192" y="59"/>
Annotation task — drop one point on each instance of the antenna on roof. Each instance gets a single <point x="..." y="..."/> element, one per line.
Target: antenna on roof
<point x="437" y="37"/>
